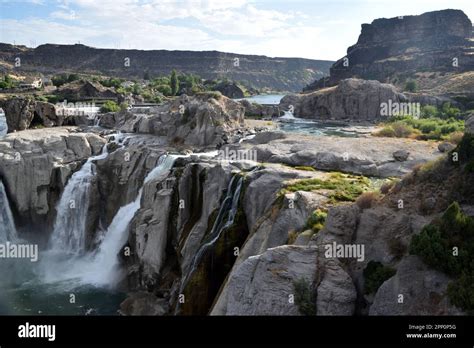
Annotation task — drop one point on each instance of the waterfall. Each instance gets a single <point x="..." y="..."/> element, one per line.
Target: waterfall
<point x="101" y="268"/>
<point x="229" y="206"/>
<point x="70" y="226"/>
<point x="105" y="266"/>
<point x="69" y="232"/>
<point x="7" y="224"/>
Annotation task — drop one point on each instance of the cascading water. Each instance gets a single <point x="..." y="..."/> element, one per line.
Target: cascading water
<point x="101" y="268"/>
<point x="70" y="225"/>
<point x="69" y="233"/>
<point x="104" y="268"/>
<point x="228" y="208"/>
<point x="7" y="224"/>
<point x="287" y="116"/>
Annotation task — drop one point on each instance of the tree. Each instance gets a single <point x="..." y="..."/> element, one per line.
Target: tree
<point x="174" y="82"/>
<point x="411" y="86"/>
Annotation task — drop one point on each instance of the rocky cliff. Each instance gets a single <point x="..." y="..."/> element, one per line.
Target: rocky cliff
<point x="392" y="50"/>
<point x="287" y="74"/>
<point x="351" y="99"/>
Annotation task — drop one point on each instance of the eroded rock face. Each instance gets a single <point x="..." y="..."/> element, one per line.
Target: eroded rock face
<point x="230" y="90"/>
<point x="353" y="99"/>
<point x="263" y="284"/>
<point x="406" y="44"/>
<point x="423" y="290"/>
<point x="255" y="109"/>
<point x="36" y="164"/>
<point x="197" y="121"/>
<point x="20" y="113"/>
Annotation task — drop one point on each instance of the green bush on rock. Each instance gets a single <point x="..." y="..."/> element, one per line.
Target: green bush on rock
<point x="304" y="297"/>
<point x="375" y="274"/>
<point x="447" y="245"/>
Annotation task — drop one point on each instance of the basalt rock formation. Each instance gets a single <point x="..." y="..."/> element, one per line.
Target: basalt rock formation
<point x="351" y="99"/>
<point x="201" y="120"/>
<point x="287" y="74"/>
<point x="391" y="50"/>
<point x="35" y="166"/>
<point x="22" y="113"/>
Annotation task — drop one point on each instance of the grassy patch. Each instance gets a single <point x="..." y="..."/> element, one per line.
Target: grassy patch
<point x="306" y="168"/>
<point x="343" y="187"/>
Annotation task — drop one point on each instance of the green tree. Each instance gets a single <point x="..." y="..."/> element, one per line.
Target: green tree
<point x="174" y="82"/>
<point x="110" y="106"/>
<point x="411" y="86"/>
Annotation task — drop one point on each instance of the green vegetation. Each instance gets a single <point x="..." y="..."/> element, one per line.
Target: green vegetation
<point x="6" y="82"/>
<point x="343" y="187"/>
<point x="305" y="168"/>
<point x="304" y="297"/>
<point x="111" y="82"/>
<point x="411" y="86"/>
<point x="422" y="129"/>
<point x="316" y="220"/>
<point x="375" y="274"/>
<point x="109" y="106"/>
<point x="62" y="79"/>
<point x="447" y="244"/>
<point x="174" y="82"/>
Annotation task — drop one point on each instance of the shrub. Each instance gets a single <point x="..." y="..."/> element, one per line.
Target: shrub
<point x="174" y="84"/>
<point x="304" y="297"/>
<point x="375" y="274"/>
<point x="109" y="106"/>
<point x="123" y="106"/>
<point x="316" y="220"/>
<point x="367" y="199"/>
<point x="411" y="86"/>
<point x="429" y="111"/>
<point x="436" y="245"/>
<point x="386" y="131"/>
<point x="461" y="292"/>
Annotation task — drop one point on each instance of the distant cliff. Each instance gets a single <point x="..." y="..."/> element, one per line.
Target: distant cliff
<point x="391" y="50"/>
<point x="289" y="74"/>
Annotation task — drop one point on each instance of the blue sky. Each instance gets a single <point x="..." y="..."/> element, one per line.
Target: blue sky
<point x="318" y="29"/>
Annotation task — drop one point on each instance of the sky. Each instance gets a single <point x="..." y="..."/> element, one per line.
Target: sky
<point x="316" y="29"/>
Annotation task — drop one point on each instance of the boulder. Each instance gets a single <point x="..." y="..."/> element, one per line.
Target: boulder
<point x="401" y="155"/>
<point x="21" y="113"/>
<point x="353" y="99"/>
<point x="446" y="147"/>
<point x="229" y="89"/>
